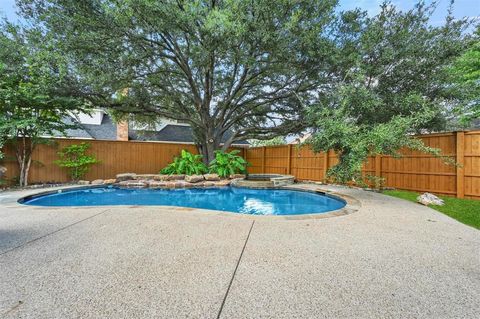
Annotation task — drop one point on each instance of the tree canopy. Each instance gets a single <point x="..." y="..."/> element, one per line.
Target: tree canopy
<point x="394" y="82"/>
<point x="220" y="66"/>
<point x="32" y="103"/>
<point x="465" y="73"/>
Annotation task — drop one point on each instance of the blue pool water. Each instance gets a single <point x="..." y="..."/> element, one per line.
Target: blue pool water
<point x="232" y="199"/>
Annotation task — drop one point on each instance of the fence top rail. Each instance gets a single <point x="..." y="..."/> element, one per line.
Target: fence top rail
<point x="115" y="141"/>
<point x="452" y="133"/>
<point x="472" y="132"/>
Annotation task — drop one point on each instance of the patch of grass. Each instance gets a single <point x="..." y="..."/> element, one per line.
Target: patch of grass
<point x="466" y="211"/>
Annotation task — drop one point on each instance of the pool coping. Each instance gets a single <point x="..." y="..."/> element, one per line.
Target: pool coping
<point x="351" y="204"/>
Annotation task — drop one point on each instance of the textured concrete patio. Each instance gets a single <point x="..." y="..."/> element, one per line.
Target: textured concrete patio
<point x="390" y="259"/>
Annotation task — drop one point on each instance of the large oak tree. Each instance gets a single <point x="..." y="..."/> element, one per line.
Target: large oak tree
<point x="232" y="69"/>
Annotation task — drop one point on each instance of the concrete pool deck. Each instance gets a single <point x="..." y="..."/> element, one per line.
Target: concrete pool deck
<point x="390" y="259"/>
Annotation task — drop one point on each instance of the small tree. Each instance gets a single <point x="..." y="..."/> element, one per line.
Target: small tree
<point x="75" y="159"/>
<point x="393" y="82"/>
<point x="32" y="104"/>
<point x="465" y="73"/>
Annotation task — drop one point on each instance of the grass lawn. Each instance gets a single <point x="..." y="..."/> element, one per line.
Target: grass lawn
<point x="466" y="211"/>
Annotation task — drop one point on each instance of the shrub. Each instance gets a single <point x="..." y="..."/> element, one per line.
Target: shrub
<point x="226" y="164"/>
<point x="187" y="163"/>
<point x="75" y="159"/>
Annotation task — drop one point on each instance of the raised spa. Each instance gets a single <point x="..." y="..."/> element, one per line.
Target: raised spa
<point x="264" y="181"/>
<point x="231" y="199"/>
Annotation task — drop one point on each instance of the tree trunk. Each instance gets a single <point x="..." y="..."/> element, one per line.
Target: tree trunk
<point x="207" y="150"/>
<point x="210" y="140"/>
<point x="24" y="159"/>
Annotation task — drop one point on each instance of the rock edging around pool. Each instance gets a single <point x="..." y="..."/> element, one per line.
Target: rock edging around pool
<point x="132" y="180"/>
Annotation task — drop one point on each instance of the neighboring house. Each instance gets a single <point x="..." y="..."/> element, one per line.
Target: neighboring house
<point x="100" y="126"/>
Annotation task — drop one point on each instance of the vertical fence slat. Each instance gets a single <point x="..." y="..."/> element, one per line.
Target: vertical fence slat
<point x="325" y="164"/>
<point x="378" y="165"/>
<point x="264" y="149"/>
<point x="460" y="158"/>
<point x="289" y="159"/>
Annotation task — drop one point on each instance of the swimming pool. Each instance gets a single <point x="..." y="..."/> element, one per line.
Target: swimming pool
<point x="231" y="199"/>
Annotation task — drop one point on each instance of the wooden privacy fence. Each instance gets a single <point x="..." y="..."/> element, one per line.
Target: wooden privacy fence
<point x="115" y="156"/>
<point x="414" y="171"/>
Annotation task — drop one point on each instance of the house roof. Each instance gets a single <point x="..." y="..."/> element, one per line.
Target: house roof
<point x="107" y="130"/>
<point x="172" y="133"/>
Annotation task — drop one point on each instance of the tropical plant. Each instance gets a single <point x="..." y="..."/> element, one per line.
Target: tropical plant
<point x="187" y="163"/>
<point x="226" y="164"/>
<point x="75" y="159"/>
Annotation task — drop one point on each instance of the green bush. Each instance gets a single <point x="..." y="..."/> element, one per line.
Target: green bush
<point x="75" y="159"/>
<point x="187" y="163"/>
<point x="226" y="164"/>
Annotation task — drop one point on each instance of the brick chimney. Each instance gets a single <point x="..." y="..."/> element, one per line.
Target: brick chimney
<point x="122" y="131"/>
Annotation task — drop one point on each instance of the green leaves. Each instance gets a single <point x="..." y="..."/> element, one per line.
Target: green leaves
<point x="33" y="100"/>
<point x="226" y="164"/>
<point x="75" y="159"/>
<point x="232" y="69"/>
<point x="187" y="163"/>
<point x="465" y="76"/>
<point x="391" y="82"/>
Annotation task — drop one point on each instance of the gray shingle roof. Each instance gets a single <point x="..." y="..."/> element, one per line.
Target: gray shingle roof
<point x="171" y="133"/>
<point x="107" y="130"/>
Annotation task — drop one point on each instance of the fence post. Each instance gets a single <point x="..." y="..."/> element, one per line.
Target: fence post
<point x="378" y="165"/>
<point x="289" y="160"/>
<point x="325" y="164"/>
<point x="263" y="159"/>
<point x="460" y="159"/>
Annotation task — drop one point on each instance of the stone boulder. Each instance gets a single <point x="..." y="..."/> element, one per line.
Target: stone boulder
<point x="175" y="177"/>
<point x="211" y="177"/>
<point x="157" y="184"/>
<point x="145" y="176"/>
<point x="209" y="183"/>
<point x="125" y="177"/>
<point x="109" y="181"/>
<point x="97" y="182"/>
<point x="223" y="182"/>
<point x="81" y="182"/>
<point x="429" y="199"/>
<point x="170" y="184"/>
<point x="160" y="177"/>
<point x="234" y="176"/>
<point x="132" y="183"/>
<point x="193" y="178"/>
